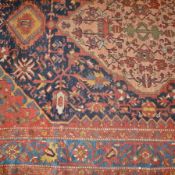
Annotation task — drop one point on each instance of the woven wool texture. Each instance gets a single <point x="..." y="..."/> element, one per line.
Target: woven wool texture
<point x="87" y="87"/>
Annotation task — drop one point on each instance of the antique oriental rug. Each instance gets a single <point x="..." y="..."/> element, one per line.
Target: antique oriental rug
<point x="87" y="87"/>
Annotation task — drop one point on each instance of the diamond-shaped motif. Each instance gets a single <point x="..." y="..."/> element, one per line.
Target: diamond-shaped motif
<point x="26" y="25"/>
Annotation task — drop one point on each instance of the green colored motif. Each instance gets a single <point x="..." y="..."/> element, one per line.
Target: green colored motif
<point x="143" y="32"/>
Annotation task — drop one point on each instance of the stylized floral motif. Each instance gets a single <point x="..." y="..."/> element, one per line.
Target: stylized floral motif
<point x="126" y="49"/>
<point x="86" y="87"/>
<point x="97" y="80"/>
<point x="149" y="109"/>
<point x="24" y="69"/>
<point x="80" y="153"/>
<point x="12" y="151"/>
<point x="67" y="83"/>
<point x="96" y="107"/>
<point x="96" y="154"/>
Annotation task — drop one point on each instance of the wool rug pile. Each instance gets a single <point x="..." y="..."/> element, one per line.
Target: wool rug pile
<point x="87" y="87"/>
